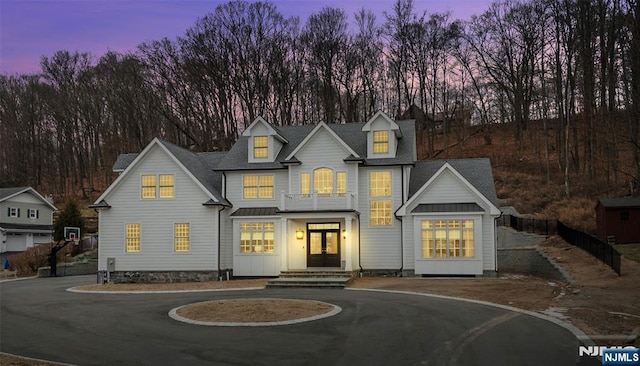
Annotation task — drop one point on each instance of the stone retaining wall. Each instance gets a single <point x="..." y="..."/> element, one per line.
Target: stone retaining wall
<point x="70" y="269"/>
<point x="162" y="277"/>
<point x="530" y="261"/>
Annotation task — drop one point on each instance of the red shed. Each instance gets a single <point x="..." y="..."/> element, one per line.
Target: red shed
<point x="618" y="220"/>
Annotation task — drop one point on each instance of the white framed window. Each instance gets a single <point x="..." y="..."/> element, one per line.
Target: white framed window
<point x="448" y="238"/>
<point x="148" y="186"/>
<point x="379" y="189"/>
<point x="33" y="213"/>
<point x="305" y="183"/>
<point x="260" y="147"/>
<point x="181" y="237"/>
<point x="166" y="185"/>
<point x="132" y="238"/>
<point x="341" y="183"/>
<point x="380" y="142"/>
<point x="257" y="237"/>
<point x="13" y="212"/>
<point x="380" y="213"/>
<point x="257" y="186"/>
<point x="157" y="186"/>
<point x="323" y="181"/>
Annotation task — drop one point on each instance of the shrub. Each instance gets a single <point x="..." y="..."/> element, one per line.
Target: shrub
<point x="28" y="262"/>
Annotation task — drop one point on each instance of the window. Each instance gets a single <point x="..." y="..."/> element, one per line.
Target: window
<point x="341" y="183"/>
<point x="181" y="237"/>
<point x="380" y="142"/>
<point x="257" y="237"/>
<point x="305" y="184"/>
<point x="624" y="216"/>
<point x="13" y="212"/>
<point x="157" y="186"/>
<point x="380" y="212"/>
<point x="447" y="239"/>
<point x="148" y="186"/>
<point x="132" y="238"/>
<point x="33" y="214"/>
<point x="260" y="147"/>
<point x="380" y="184"/>
<point x="323" y="181"/>
<point x="257" y="186"/>
<point x="166" y="185"/>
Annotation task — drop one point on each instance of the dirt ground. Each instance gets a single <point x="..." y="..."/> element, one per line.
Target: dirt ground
<point x="605" y="306"/>
<point x="253" y="310"/>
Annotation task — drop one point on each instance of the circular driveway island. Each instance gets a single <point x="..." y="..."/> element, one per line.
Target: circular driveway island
<point x="40" y="319"/>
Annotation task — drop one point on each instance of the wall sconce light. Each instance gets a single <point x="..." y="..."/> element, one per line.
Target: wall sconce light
<point x="299" y="234"/>
<point x="344" y="234"/>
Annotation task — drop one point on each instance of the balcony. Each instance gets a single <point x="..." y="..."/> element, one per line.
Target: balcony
<point x="318" y="201"/>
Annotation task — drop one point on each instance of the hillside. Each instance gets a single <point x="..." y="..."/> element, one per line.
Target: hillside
<point x="520" y="173"/>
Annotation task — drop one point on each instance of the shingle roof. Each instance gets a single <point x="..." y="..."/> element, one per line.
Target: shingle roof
<point x="123" y="161"/>
<point x="476" y="171"/>
<point x="448" y="207"/>
<point x="350" y="133"/>
<point x="256" y="211"/>
<point x="7" y="192"/>
<point x="620" y="202"/>
<point x="198" y="165"/>
<point x="9" y="227"/>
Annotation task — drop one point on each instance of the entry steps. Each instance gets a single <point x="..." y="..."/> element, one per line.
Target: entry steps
<point x="311" y="278"/>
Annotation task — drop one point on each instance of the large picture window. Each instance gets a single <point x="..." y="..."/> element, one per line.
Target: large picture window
<point x="260" y="147"/>
<point x="257" y="237"/>
<point x="132" y="238"/>
<point x="257" y="186"/>
<point x="181" y="237"/>
<point x="447" y="239"/>
<point x="323" y="181"/>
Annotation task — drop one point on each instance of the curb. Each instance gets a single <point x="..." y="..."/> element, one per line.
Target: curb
<point x="74" y="290"/>
<point x="173" y="313"/>
<point x="36" y="359"/>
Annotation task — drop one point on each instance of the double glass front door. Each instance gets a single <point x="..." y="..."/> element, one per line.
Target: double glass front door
<point x="323" y="245"/>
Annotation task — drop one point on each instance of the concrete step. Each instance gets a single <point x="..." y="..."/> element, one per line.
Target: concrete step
<point x="308" y="282"/>
<point x="301" y="274"/>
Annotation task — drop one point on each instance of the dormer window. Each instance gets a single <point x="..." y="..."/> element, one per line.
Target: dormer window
<point x="260" y="147"/>
<point x="380" y="142"/>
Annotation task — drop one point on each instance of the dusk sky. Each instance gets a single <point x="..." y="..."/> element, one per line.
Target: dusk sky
<point x="30" y="29"/>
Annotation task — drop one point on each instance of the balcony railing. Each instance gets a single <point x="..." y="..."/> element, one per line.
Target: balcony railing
<point x="318" y="201"/>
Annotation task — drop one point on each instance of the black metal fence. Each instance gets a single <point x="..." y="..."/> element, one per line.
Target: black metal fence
<point x="537" y="226"/>
<point x="601" y="250"/>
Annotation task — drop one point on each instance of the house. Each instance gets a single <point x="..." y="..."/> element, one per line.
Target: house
<point x="347" y="196"/>
<point x="618" y="219"/>
<point x="25" y="219"/>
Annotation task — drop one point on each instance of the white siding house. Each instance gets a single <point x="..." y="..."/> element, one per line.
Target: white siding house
<point x="350" y="196"/>
<point x="26" y="219"/>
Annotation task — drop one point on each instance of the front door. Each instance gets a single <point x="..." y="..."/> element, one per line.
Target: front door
<point x="324" y="246"/>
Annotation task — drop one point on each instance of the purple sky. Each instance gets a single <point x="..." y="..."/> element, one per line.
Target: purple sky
<point x="30" y="29"/>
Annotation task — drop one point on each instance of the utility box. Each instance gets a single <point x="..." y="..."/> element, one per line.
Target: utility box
<point x="111" y="264"/>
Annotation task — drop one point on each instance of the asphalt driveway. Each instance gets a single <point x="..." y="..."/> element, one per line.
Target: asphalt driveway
<point x="39" y="319"/>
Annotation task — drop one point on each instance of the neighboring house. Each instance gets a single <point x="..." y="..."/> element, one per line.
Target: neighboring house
<point x="618" y="219"/>
<point x="25" y="219"/>
<point x="348" y="196"/>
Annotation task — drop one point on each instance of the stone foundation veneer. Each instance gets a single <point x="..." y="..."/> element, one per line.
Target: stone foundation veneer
<point x="163" y="277"/>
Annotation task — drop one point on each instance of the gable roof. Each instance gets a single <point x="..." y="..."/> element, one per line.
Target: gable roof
<point x="272" y="131"/>
<point x="123" y="161"/>
<point x="476" y="172"/>
<point x="350" y="133"/>
<point x="392" y="125"/>
<point x="319" y="127"/>
<point x="7" y="193"/>
<point x="197" y="166"/>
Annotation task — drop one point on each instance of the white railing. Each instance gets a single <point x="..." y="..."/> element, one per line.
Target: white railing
<point x="318" y="201"/>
